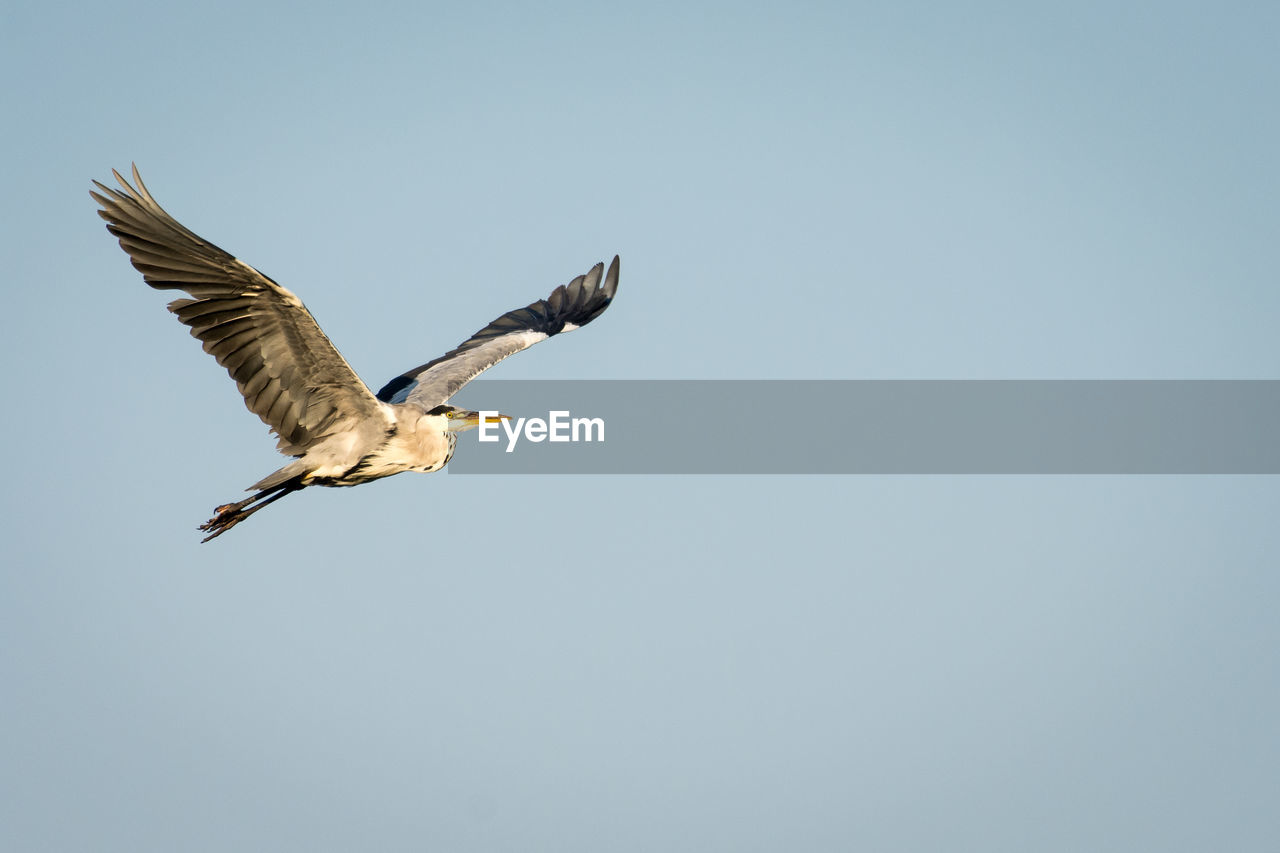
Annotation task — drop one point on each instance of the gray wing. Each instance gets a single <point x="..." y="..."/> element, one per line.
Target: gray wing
<point x="291" y="376"/>
<point x="567" y="308"/>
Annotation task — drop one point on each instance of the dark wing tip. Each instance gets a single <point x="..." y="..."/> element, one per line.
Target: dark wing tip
<point x="584" y="298"/>
<point x="611" y="278"/>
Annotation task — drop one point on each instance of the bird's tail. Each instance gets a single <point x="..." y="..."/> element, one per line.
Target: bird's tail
<point x="293" y="471"/>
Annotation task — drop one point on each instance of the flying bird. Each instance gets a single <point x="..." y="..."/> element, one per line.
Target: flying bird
<point x="296" y="381"/>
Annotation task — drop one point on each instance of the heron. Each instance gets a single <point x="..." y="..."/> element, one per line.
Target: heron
<point x="292" y="377"/>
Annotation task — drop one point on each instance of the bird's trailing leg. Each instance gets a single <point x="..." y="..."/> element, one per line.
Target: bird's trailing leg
<point x="229" y="515"/>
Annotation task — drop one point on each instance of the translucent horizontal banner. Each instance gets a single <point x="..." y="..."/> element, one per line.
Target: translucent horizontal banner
<point x="873" y="427"/>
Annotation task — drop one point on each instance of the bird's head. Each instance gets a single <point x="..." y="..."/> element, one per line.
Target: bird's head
<point x="461" y="420"/>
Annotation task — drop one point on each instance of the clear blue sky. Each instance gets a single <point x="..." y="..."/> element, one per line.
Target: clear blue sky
<point x="803" y="190"/>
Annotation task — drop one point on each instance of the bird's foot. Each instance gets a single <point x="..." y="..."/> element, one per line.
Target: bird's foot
<point x="227" y="517"/>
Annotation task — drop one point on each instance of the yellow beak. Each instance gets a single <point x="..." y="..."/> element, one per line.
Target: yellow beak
<point x="474" y="420"/>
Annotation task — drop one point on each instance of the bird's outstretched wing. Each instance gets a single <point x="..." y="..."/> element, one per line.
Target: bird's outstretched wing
<point x="291" y="376"/>
<point x="568" y="307"/>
